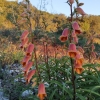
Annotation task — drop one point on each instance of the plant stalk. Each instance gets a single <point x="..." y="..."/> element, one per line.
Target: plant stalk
<point x="48" y="69"/>
<point x="32" y="41"/>
<point x="72" y="64"/>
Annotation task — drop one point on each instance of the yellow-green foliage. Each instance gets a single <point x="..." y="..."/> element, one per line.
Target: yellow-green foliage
<point x="9" y="52"/>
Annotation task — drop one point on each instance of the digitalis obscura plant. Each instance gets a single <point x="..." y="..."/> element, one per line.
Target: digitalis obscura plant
<point x="27" y="45"/>
<point x="70" y="34"/>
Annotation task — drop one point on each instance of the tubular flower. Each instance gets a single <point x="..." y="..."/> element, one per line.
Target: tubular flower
<point x="25" y="61"/>
<point x="29" y="49"/>
<point x="76" y="27"/>
<point x="24" y="35"/>
<point x="41" y="91"/>
<point x="71" y="1"/>
<point x="63" y="38"/>
<point x="80" y="11"/>
<point x="78" y="68"/>
<point x="28" y="66"/>
<point x="72" y="52"/>
<point x="29" y="76"/>
<point x="24" y="43"/>
<point x="79" y="59"/>
<point x="65" y="32"/>
<point x="64" y="35"/>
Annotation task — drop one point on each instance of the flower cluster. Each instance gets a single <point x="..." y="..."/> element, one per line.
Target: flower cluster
<point x="70" y="34"/>
<point x="27" y="60"/>
<point x="27" y="63"/>
<point x="74" y="51"/>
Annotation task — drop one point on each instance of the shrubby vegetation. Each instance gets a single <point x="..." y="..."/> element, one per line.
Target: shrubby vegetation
<point x="44" y="25"/>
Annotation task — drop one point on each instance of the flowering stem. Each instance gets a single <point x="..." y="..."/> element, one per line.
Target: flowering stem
<point x="55" y="53"/>
<point x="72" y="63"/>
<point x="44" y="52"/>
<point x="38" y="72"/>
<point x="73" y="80"/>
<point x="46" y="59"/>
<point x="71" y="12"/>
<point x="48" y="69"/>
<point x="32" y="41"/>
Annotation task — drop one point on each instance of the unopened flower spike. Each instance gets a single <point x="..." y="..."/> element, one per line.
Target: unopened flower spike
<point x="71" y="1"/>
<point x="80" y="11"/>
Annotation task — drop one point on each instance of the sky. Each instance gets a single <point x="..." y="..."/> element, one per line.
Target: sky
<point x="91" y="7"/>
